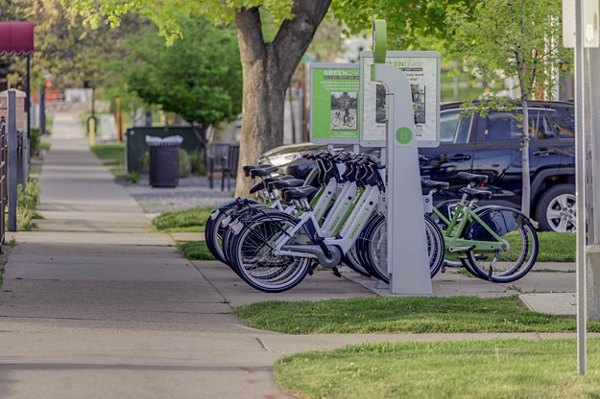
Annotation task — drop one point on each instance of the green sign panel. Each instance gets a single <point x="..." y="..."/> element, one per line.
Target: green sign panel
<point x="334" y="103"/>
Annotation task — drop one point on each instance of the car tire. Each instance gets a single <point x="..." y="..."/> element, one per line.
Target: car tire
<point x="556" y="209"/>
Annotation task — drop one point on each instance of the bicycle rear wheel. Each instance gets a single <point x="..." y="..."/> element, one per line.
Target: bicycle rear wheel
<point x="503" y="266"/>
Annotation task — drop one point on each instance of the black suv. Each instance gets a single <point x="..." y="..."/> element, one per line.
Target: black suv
<point x="491" y="145"/>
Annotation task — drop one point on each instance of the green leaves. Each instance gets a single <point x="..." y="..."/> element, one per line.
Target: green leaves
<point x="499" y="39"/>
<point x="198" y="77"/>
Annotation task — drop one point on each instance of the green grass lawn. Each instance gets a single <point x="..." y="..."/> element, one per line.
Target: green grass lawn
<point x="413" y="315"/>
<point x="474" y="369"/>
<point x="556" y="247"/>
<point x="553" y="247"/>
<point x="113" y="156"/>
<point x="188" y="220"/>
<point x="195" y="250"/>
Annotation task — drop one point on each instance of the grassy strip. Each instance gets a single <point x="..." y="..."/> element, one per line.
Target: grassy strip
<point x="556" y="247"/>
<point x="553" y="247"/>
<point x="195" y="250"/>
<point x="28" y="198"/>
<point x="472" y="369"/>
<point x="411" y="315"/>
<point x="188" y="220"/>
<point x="113" y="156"/>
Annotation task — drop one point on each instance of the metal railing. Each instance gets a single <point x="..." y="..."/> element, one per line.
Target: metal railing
<point x="3" y="180"/>
<point x="223" y="158"/>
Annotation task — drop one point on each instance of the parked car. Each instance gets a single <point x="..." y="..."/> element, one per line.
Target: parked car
<point x="490" y="144"/>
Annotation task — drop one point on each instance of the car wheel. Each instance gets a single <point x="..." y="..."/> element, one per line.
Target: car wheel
<point x="556" y="209"/>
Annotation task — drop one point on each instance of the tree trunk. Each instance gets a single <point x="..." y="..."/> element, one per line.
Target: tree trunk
<point x="267" y="69"/>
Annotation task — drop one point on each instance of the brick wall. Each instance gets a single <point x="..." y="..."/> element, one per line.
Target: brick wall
<point x="21" y="116"/>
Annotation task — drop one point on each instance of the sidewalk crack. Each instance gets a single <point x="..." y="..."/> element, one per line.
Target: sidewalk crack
<point x="262" y="344"/>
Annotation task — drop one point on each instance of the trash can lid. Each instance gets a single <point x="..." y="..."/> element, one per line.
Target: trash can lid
<point x="166" y="141"/>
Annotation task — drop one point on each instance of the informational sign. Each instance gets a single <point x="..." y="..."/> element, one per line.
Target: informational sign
<point x="422" y="69"/>
<point x="334" y="116"/>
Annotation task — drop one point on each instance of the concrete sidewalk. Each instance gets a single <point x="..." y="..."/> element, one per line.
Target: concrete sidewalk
<point x="96" y="304"/>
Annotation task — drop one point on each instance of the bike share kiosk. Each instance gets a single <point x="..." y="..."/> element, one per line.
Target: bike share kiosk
<point x="397" y="95"/>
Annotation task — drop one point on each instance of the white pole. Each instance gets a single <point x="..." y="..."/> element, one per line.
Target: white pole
<point x="580" y="192"/>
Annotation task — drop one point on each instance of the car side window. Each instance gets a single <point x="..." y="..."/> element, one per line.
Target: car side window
<point x="563" y="121"/>
<point x="539" y="126"/>
<point x="454" y="127"/>
<point x="502" y="126"/>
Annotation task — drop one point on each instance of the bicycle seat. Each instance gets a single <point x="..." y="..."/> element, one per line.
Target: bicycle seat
<point x="257" y="187"/>
<point x="438" y="185"/>
<point x="476" y="193"/>
<point x="248" y="168"/>
<point x="279" y="184"/>
<point x="262" y="172"/>
<point x="473" y="177"/>
<point x="299" y="193"/>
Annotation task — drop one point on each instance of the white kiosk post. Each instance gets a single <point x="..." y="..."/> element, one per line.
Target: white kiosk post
<point x="406" y="249"/>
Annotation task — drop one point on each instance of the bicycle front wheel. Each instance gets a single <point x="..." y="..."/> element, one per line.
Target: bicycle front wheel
<point x="510" y="263"/>
<point x="376" y="248"/>
<point x="253" y="259"/>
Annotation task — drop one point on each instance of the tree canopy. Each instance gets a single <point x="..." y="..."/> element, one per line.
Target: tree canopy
<point x="525" y="40"/>
<point x="198" y="77"/>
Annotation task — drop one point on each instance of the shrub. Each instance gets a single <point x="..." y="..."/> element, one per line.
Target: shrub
<point x="185" y="166"/>
<point x="197" y="160"/>
<point x="27" y="200"/>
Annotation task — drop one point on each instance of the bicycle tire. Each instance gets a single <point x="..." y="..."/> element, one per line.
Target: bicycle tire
<point x="377" y="238"/>
<point x="253" y="262"/>
<point x="352" y="260"/>
<point x="214" y="229"/>
<point x="518" y="230"/>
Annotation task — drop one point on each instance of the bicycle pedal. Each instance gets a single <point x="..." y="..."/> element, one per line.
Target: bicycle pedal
<point x="336" y="272"/>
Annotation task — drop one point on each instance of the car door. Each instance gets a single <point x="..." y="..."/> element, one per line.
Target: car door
<point x="498" y="150"/>
<point x="497" y="153"/>
<point x="562" y="118"/>
<point x="455" y="152"/>
<point x="545" y="147"/>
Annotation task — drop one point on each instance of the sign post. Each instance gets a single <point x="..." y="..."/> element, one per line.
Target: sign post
<point x="406" y="240"/>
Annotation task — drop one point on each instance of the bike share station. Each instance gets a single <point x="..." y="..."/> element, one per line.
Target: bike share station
<point x="390" y="100"/>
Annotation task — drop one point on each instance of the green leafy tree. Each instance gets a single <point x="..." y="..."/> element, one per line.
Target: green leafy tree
<point x="65" y="47"/>
<point x="508" y="38"/>
<point x="267" y="66"/>
<point x="409" y="22"/>
<point x="199" y="77"/>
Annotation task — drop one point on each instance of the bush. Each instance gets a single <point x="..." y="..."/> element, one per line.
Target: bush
<point x="185" y="166"/>
<point x="27" y="201"/>
<point x="146" y="163"/>
<point x="35" y="142"/>
<point x="197" y="160"/>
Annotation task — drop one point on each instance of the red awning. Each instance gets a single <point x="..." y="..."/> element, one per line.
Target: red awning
<point x="16" y="38"/>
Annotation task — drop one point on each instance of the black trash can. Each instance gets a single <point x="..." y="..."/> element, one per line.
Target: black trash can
<point x="164" y="161"/>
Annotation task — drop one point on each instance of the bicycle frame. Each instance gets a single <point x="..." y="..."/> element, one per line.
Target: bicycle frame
<point x="352" y="226"/>
<point x="462" y="217"/>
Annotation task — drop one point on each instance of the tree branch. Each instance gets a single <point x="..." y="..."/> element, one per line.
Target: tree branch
<point x="295" y="34"/>
<point x="249" y="33"/>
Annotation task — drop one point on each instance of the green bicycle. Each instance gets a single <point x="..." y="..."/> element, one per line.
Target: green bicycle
<point x="495" y="243"/>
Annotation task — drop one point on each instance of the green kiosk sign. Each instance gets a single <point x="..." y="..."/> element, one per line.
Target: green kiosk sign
<point x="334" y="103"/>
